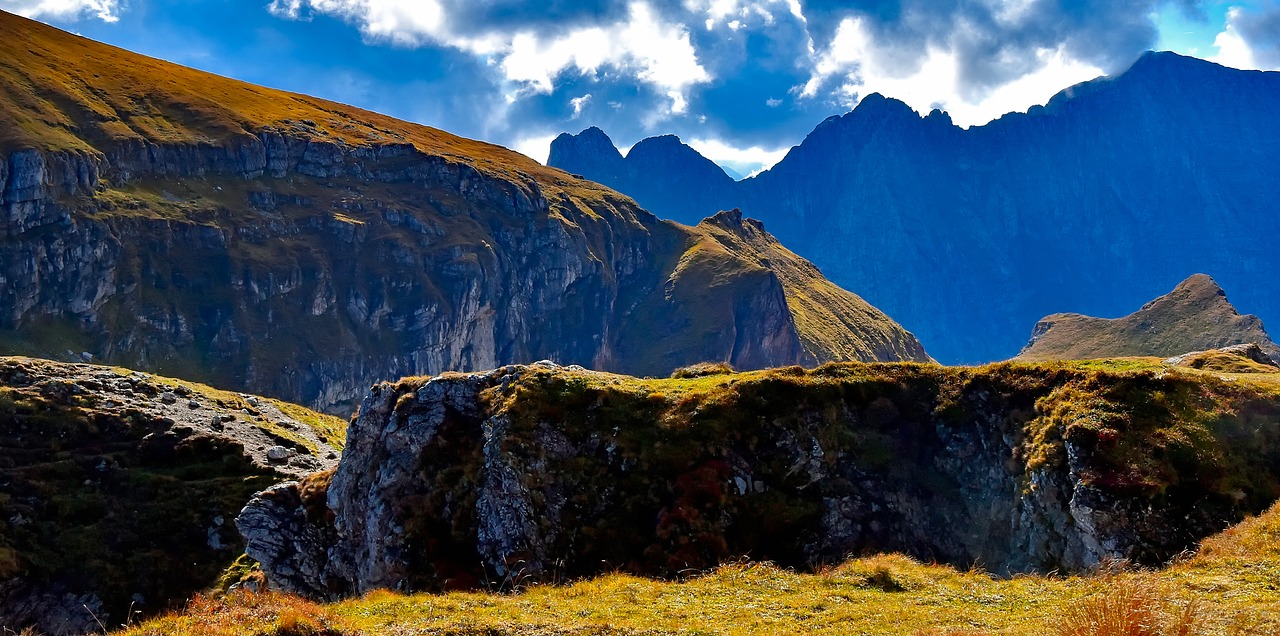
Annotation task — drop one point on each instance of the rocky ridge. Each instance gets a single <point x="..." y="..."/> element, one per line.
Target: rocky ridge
<point x="1195" y="316"/>
<point x="1106" y="196"/>
<point x="542" y="473"/>
<point x="199" y="227"/>
<point x="119" y="487"/>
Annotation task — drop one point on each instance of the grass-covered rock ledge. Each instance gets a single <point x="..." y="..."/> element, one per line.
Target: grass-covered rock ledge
<point x="542" y="473"/>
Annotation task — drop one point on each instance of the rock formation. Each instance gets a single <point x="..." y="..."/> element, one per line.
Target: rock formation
<point x="539" y="473"/>
<point x="1103" y="198"/>
<point x="1195" y="316"/>
<point x="262" y="240"/>
<point x="119" y="488"/>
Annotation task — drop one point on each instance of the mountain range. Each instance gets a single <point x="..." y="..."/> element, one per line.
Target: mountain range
<point x="1108" y="195"/>
<point x="172" y="220"/>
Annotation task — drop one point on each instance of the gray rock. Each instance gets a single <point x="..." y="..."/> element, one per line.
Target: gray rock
<point x="279" y="453"/>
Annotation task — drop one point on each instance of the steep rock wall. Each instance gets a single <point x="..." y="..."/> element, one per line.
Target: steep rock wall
<point x="402" y="264"/>
<point x="537" y="473"/>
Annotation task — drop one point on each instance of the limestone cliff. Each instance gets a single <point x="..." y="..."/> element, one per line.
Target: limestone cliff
<point x="168" y="219"/>
<point x="540" y="473"/>
<point x="1195" y="316"/>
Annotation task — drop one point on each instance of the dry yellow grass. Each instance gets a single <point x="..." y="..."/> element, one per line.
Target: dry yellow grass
<point x="1232" y="587"/>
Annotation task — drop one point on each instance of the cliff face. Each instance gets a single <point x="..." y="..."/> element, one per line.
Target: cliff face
<point x="167" y="219"/>
<point x="1195" y="316"/>
<point x="1109" y="195"/>
<point x="120" y="487"/>
<point x="540" y="472"/>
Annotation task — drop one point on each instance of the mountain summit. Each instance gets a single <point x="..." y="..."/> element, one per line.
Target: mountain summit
<point x="1195" y="316"/>
<point x="171" y="220"/>
<point x="1098" y="200"/>
<point x="691" y="184"/>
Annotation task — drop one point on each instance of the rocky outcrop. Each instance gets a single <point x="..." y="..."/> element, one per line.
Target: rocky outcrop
<point x="1099" y="200"/>
<point x="539" y="473"/>
<point x="303" y="249"/>
<point x="1241" y="358"/>
<point x="120" y="487"/>
<point x="1195" y="316"/>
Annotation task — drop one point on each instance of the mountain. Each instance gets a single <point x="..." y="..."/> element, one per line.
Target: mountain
<point x="167" y="219"/>
<point x="545" y="473"/>
<point x="1194" y="317"/>
<point x="1104" y="197"/>
<point x="119" y="488"/>
<point x="689" y="186"/>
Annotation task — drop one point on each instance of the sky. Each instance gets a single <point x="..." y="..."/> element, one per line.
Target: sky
<point x="739" y="80"/>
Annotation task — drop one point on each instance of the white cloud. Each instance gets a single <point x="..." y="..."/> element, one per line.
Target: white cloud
<point x="861" y="66"/>
<point x="753" y="159"/>
<point x="105" y="10"/>
<point x="655" y="52"/>
<point x="577" y="103"/>
<point x="537" y="147"/>
<point x="1234" y="49"/>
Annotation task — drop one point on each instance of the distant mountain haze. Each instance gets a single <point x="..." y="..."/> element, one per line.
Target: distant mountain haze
<point x="1108" y="195"/>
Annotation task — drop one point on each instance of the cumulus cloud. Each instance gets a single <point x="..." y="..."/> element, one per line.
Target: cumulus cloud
<point x="755" y="73"/>
<point x="977" y="59"/>
<point x="936" y="77"/>
<point x="105" y="10"/>
<point x="533" y="53"/>
<point x="1251" y="39"/>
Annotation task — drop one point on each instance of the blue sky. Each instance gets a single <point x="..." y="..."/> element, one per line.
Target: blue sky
<point x="741" y="80"/>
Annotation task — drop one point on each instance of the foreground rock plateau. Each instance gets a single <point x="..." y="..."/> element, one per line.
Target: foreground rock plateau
<point x="166" y="219"/>
<point x="541" y="473"/>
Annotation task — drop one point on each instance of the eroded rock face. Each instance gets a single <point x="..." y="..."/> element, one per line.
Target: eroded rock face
<point x="528" y="473"/>
<point x="120" y="487"/>
<point x="311" y="297"/>
<point x="289" y="246"/>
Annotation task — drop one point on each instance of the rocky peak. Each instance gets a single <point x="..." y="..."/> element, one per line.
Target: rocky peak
<point x="590" y="152"/>
<point x="669" y="152"/>
<point x="1195" y="316"/>
<point x="727" y="219"/>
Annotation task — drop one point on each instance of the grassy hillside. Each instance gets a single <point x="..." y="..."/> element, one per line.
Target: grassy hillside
<point x="1195" y="316"/>
<point x="60" y="91"/>
<point x="822" y="311"/>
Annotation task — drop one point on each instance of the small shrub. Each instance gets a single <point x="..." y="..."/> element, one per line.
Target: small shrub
<point x="294" y="623"/>
<point x="881" y="578"/>
<point x="1126" y="609"/>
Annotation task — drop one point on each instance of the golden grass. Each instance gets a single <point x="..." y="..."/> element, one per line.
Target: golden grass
<point x="63" y="92"/>
<point x="1232" y="587"/>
